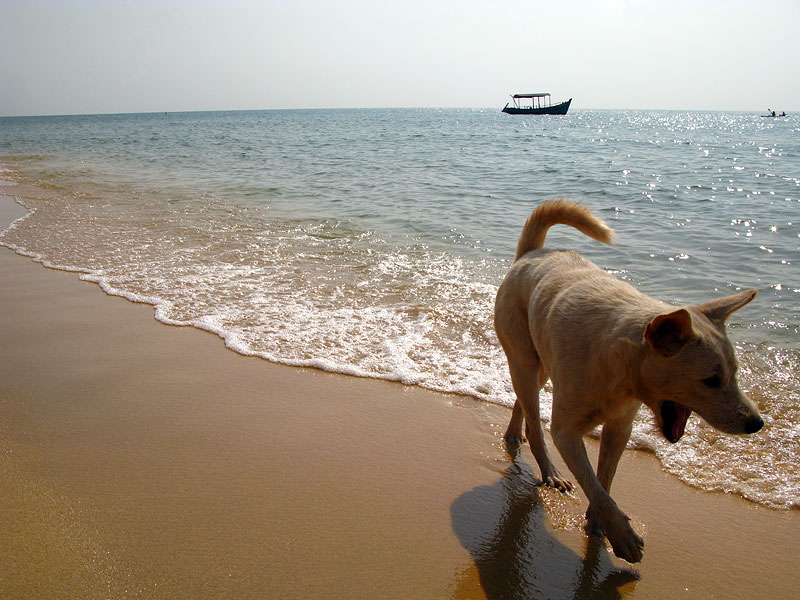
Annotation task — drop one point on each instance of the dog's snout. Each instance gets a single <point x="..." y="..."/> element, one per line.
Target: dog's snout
<point x="753" y="425"/>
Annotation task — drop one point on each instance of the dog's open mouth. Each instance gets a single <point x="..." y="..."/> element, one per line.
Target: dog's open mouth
<point x="675" y="416"/>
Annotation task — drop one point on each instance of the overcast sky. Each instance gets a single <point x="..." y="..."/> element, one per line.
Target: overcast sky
<point x="100" y="56"/>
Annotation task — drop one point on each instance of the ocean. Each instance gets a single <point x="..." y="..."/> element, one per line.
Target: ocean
<point x="371" y="242"/>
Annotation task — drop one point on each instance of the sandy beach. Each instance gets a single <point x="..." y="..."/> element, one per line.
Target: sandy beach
<point x="140" y="460"/>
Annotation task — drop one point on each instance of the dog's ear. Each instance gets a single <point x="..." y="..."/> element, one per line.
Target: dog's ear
<point x="718" y="310"/>
<point x="667" y="333"/>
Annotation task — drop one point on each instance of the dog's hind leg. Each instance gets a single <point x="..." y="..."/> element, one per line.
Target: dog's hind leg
<point x="527" y="382"/>
<point x="512" y="327"/>
<point x="528" y="375"/>
<point x="513" y="434"/>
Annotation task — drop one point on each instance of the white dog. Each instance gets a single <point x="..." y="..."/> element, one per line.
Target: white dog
<point x="607" y="348"/>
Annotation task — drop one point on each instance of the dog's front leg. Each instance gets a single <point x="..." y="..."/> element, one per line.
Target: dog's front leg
<point x="612" y="443"/>
<point x="624" y="540"/>
<point x="527" y="383"/>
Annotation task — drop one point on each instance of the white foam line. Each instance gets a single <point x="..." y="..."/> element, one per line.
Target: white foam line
<point x="15" y="223"/>
<point x="643" y="437"/>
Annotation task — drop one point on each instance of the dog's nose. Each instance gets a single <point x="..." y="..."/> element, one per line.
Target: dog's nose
<point x="753" y="425"/>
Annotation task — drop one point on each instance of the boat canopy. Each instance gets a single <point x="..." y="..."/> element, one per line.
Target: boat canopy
<point x="530" y="95"/>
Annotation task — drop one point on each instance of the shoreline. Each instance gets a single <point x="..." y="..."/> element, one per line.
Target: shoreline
<point x="144" y="460"/>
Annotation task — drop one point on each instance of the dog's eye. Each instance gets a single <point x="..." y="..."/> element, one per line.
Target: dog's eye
<point x="713" y="382"/>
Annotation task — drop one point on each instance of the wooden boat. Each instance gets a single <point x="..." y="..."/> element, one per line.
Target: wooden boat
<point x="535" y="104"/>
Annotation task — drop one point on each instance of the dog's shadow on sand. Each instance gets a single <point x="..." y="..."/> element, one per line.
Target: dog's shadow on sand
<point x="503" y="527"/>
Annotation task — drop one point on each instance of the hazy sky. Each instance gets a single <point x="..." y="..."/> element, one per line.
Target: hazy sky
<point x="95" y="56"/>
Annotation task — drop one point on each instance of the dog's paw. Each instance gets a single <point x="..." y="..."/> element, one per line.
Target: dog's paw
<point x="630" y="549"/>
<point x="556" y="481"/>
<point x="624" y="540"/>
<point x="513" y="440"/>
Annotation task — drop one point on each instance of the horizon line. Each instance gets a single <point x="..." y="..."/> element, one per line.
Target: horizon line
<point x="331" y="108"/>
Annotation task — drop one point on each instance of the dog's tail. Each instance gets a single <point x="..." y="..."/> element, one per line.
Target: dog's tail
<point x="561" y="212"/>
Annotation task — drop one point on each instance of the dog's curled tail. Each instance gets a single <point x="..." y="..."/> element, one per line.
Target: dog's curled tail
<point x="561" y="212"/>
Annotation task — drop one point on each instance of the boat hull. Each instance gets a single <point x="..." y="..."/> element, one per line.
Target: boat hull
<point x="555" y="109"/>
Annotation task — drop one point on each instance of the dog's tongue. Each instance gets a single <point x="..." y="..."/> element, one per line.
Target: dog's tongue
<point x="682" y="416"/>
<point x="675" y="417"/>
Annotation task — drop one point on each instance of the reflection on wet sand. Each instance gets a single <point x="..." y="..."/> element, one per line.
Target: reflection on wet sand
<point x="503" y="527"/>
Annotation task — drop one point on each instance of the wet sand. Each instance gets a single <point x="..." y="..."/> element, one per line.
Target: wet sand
<point x="139" y="460"/>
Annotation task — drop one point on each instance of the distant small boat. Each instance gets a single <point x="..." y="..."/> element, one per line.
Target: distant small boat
<point x="539" y="104"/>
<point x="772" y="113"/>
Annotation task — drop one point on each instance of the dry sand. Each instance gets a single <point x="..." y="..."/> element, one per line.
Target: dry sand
<point x="139" y="460"/>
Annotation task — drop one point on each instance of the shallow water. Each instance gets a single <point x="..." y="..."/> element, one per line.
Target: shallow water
<point x="371" y="242"/>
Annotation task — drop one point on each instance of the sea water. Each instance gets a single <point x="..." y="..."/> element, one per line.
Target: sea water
<point x="372" y="242"/>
